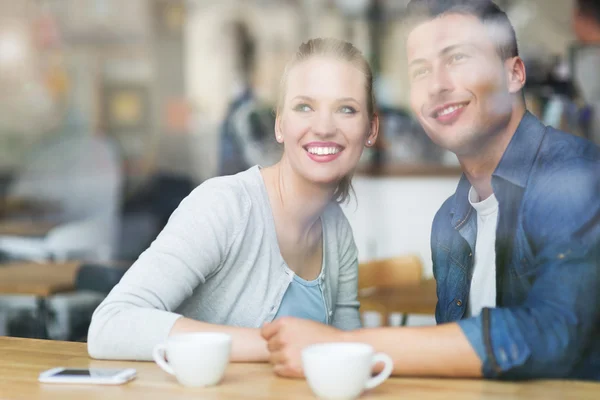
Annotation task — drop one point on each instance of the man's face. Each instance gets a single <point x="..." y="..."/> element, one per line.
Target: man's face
<point x="459" y="90"/>
<point x="585" y="27"/>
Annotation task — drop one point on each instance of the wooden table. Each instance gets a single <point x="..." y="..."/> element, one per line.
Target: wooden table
<point x="40" y="280"/>
<point x="25" y="228"/>
<point x="418" y="298"/>
<point x="23" y="359"/>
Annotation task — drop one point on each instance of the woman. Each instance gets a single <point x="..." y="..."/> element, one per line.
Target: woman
<point x="245" y="249"/>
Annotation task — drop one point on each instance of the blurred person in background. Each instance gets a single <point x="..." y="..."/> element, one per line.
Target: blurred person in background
<point x="71" y="175"/>
<point x="586" y="21"/>
<point x="243" y="140"/>
<point x="266" y="243"/>
<point x="586" y="25"/>
<point x="516" y="250"/>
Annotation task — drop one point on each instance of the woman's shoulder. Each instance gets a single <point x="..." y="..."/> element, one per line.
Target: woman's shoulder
<point x="335" y="220"/>
<point x="231" y="195"/>
<point x="238" y="188"/>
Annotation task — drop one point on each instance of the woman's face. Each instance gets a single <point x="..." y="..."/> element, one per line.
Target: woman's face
<point x="324" y="121"/>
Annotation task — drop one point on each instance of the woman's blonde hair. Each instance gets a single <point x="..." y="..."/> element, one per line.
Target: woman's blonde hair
<point x="341" y="50"/>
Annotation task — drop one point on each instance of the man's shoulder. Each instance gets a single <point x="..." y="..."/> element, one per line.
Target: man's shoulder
<point x="443" y="216"/>
<point x="566" y="159"/>
<point x="560" y="147"/>
<point x="564" y="185"/>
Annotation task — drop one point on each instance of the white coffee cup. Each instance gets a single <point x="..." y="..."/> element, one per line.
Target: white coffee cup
<point x="196" y="359"/>
<point x="343" y="370"/>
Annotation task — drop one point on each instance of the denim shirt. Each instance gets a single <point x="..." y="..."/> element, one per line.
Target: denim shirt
<point x="546" y="323"/>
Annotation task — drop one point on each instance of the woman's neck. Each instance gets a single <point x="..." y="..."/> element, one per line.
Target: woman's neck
<point x="297" y="203"/>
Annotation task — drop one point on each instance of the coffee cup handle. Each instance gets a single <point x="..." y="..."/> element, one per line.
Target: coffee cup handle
<point x="383" y="375"/>
<point x="159" y="357"/>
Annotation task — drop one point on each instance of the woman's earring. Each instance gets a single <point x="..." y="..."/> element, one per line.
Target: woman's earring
<point x="369" y="142"/>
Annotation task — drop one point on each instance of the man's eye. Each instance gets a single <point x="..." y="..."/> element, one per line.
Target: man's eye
<point x="302" y="108"/>
<point x="417" y="73"/>
<point x="457" y="57"/>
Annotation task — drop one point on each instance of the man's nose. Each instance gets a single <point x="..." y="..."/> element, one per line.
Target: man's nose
<point x="440" y="82"/>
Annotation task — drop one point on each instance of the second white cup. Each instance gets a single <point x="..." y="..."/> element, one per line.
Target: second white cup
<point x="196" y="359"/>
<point x="343" y="370"/>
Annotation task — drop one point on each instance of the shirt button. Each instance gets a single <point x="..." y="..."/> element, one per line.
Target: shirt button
<point x="459" y="303"/>
<point x="470" y="254"/>
<point x="503" y="357"/>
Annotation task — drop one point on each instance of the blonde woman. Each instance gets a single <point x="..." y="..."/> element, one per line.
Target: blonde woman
<point x="246" y="249"/>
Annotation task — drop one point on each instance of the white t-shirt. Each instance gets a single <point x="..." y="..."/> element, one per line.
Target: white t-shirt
<point x="483" y="283"/>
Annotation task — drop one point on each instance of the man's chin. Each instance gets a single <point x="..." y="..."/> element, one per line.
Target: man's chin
<point x="453" y="139"/>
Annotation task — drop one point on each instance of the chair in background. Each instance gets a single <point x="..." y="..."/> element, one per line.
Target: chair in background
<point x="395" y="272"/>
<point x="81" y="174"/>
<point x="99" y="279"/>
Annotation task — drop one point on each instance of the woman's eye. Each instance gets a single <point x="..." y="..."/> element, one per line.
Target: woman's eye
<point x="457" y="57"/>
<point x="302" y="108"/>
<point x="347" y="110"/>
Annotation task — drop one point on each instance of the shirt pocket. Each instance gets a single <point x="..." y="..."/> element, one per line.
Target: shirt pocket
<point x="523" y="264"/>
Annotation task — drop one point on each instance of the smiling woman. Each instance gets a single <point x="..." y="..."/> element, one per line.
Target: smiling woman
<point x="245" y="249"/>
<point x="331" y="67"/>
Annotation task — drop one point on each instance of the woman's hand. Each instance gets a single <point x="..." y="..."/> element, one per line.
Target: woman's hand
<point x="286" y="337"/>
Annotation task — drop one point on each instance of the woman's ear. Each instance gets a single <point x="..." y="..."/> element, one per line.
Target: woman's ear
<point x="374" y="132"/>
<point x="278" y="131"/>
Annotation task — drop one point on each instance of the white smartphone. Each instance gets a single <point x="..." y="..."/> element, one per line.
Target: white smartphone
<point x="97" y="376"/>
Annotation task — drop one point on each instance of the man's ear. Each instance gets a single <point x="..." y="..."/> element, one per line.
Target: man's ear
<point x="516" y="74"/>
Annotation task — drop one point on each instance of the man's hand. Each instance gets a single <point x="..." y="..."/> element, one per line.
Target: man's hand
<point x="286" y="337"/>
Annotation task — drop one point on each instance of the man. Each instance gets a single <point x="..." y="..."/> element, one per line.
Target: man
<point x="516" y="248"/>
<point x="586" y="25"/>
<point x="586" y="21"/>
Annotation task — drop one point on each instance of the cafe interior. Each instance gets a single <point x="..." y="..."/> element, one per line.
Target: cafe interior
<point x="112" y="112"/>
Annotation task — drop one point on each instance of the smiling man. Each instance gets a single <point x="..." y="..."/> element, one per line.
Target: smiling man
<point x="516" y="250"/>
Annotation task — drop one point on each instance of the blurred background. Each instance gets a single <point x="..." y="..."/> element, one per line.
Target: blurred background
<point x="112" y="111"/>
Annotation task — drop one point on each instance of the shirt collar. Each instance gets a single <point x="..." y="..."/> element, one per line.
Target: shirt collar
<point x="517" y="161"/>
<point x="514" y="166"/>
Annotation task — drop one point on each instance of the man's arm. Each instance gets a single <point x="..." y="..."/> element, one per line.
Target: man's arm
<point x="442" y="351"/>
<point x="547" y="335"/>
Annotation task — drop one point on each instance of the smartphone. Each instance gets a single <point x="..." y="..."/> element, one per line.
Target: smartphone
<point x="96" y="376"/>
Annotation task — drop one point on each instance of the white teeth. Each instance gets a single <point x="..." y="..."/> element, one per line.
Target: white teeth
<point x="323" y="151"/>
<point x="449" y="110"/>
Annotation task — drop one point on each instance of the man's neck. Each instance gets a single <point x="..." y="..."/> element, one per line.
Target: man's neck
<point x="481" y="164"/>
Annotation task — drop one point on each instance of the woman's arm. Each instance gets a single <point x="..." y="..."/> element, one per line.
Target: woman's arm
<point x="139" y="311"/>
<point x="346" y="314"/>
<point x="247" y="346"/>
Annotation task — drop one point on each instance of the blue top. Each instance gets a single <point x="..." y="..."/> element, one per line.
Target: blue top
<point x="547" y="320"/>
<point x="303" y="299"/>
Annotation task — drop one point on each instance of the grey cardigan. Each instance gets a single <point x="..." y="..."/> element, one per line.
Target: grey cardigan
<point x="218" y="261"/>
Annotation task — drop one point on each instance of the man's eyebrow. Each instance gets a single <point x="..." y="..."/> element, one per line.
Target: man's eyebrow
<point x="442" y="52"/>
<point x="417" y="62"/>
<point x="453" y="47"/>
